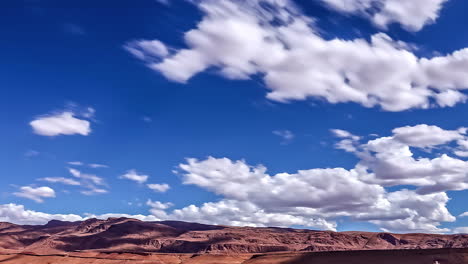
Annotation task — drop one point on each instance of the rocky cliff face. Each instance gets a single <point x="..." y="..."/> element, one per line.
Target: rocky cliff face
<point x="130" y="235"/>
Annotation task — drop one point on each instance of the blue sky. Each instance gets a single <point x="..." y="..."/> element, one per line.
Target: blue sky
<point x="230" y="108"/>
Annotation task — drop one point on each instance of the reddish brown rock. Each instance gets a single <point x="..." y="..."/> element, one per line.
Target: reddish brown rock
<point x="122" y="235"/>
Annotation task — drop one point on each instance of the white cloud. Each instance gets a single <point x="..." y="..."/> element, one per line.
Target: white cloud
<point x="340" y="133"/>
<point x="140" y="217"/>
<point x="91" y="183"/>
<point x="461" y="230"/>
<point x="286" y="135"/>
<point x="412" y="15"/>
<point x="159" y="187"/>
<point x="240" y="213"/>
<point x="62" y="180"/>
<point x="465" y="214"/>
<point x="17" y="214"/>
<point x="134" y="176"/>
<point x="425" y="136"/>
<point x="348" y="142"/>
<point x="96" y="165"/>
<point x="306" y="188"/>
<point x="321" y="197"/>
<point x="462" y="149"/>
<point x="75" y="163"/>
<point x="35" y="194"/>
<point x="92" y="190"/>
<point x="392" y="162"/>
<point x="450" y="98"/>
<point x="147" y="49"/>
<point x="159" y="205"/>
<point x="60" y="124"/>
<point x="422" y="213"/>
<point x="318" y="198"/>
<point x="91" y="165"/>
<point x="315" y="198"/>
<point x="242" y="39"/>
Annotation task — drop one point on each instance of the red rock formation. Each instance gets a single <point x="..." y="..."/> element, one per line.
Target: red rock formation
<point x="130" y="235"/>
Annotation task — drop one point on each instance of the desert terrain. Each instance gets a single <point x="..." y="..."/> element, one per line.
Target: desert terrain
<point x="123" y="240"/>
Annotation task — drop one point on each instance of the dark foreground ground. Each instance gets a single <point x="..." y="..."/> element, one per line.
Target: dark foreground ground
<point x="426" y="256"/>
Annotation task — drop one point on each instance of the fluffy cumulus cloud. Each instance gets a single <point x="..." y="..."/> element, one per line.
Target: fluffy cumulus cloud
<point x="65" y="123"/>
<point x="276" y="41"/>
<point x="426" y="136"/>
<point x="412" y="15"/>
<point x="242" y="213"/>
<point x="17" y="214"/>
<point x="134" y="176"/>
<point x="36" y="194"/>
<point x="405" y="177"/>
<point x="318" y="198"/>
<point x="392" y="162"/>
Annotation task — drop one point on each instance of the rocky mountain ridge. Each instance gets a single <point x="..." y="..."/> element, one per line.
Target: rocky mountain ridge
<point x="134" y="236"/>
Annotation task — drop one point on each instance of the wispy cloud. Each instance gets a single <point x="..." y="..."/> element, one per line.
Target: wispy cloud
<point x="286" y="135"/>
<point x="36" y="194"/>
<point x="66" y="181"/>
<point x="134" y="176"/>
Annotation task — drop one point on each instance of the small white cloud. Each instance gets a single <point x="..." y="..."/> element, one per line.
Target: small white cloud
<point x="465" y="214"/>
<point x="90" y="182"/>
<point x="60" y="124"/>
<point x="286" y="135"/>
<point x="74" y="172"/>
<point x="96" y="165"/>
<point x="91" y="165"/>
<point x="75" y="163"/>
<point x="93" y="191"/>
<point x="159" y="187"/>
<point x="134" y="176"/>
<point x="340" y="133"/>
<point x="147" y="49"/>
<point x="88" y="112"/>
<point x="159" y="205"/>
<point x="35" y="194"/>
<point x="62" y="180"/>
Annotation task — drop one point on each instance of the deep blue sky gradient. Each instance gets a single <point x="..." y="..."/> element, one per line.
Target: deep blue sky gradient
<point x="44" y="66"/>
